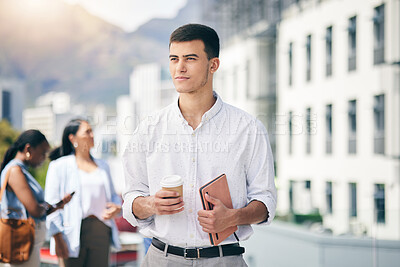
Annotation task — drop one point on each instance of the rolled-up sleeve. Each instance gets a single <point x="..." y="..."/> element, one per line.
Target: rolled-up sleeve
<point x="261" y="174"/>
<point x="54" y="221"/>
<point x="136" y="179"/>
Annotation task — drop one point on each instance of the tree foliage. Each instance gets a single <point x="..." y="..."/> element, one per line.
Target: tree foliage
<point x="40" y="172"/>
<point x="7" y="136"/>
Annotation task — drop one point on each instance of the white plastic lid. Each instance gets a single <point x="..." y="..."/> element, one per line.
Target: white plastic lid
<point x="171" y="181"/>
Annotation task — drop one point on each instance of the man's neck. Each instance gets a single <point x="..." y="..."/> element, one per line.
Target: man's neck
<point x="194" y="105"/>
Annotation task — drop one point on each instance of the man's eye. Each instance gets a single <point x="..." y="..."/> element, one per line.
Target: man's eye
<point x="172" y="59"/>
<point x="191" y="58"/>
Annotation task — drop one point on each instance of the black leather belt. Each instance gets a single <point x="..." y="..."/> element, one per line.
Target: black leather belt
<point x="195" y="253"/>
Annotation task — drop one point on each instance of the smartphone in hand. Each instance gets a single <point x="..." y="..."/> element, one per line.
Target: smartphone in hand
<point x="56" y="206"/>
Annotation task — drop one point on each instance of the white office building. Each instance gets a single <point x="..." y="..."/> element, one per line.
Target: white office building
<point x="246" y="77"/>
<point x="126" y="123"/>
<point x="60" y="102"/>
<point x="151" y="89"/>
<point x="50" y="115"/>
<point x="338" y="114"/>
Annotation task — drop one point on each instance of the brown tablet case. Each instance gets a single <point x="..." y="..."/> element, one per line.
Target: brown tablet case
<point x="218" y="188"/>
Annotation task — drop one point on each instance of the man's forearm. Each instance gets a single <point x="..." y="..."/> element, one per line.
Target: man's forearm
<point x="254" y="212"/>
<point x="143" y="207"/>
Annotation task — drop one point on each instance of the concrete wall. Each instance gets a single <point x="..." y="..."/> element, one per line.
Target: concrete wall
<point x="286" y="245"/>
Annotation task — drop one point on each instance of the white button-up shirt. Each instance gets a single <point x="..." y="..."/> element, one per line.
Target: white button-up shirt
<point x="228" y="140"/>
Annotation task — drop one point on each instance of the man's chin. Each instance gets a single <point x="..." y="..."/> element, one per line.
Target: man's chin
<point x="184" y="91"/>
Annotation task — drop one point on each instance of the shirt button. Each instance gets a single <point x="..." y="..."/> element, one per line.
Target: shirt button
<point x="193" y="134"/>
<point x="190" y="211"/>
<point x="191" y="185"/>
<point x="191" y="236"/>
<point x="193" y="159"/>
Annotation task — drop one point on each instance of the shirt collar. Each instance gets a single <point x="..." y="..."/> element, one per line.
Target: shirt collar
<point x="208" y="114"/>
<point x="214" y="109"/>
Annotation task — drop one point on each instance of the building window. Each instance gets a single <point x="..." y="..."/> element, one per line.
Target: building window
<point x="307" y="184"/>
<point x="379" y="124"/>
<point x="328" y="119"/>
<point x="308" y="58"/>
<point x="352" y="115"/>
<point x="309" y="130"/>
<point x="353" y="199"/>
<point x="379" y="199"/>
<point x="379" y="34"/>
<point x="329" y="205"/>
<point x="271" y="52"/>
<point x="290" y="64"/>
<point x="352" y="29"/>
<point x="290" y="132"/>
<point x="291" y="185"/>
<point x="260" y="9"/>
<point x="6" y="106"/>
<point x="328" y="44"/>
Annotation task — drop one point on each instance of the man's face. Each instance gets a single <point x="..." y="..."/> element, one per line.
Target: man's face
<point x="189" y="66"/>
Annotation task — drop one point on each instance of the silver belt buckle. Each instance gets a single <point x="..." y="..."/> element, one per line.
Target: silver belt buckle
<point x="185" y="253"/>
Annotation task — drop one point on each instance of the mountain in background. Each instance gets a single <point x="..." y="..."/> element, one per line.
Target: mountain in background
<point x="159" y="30"/>
<point x="62" y="47"/>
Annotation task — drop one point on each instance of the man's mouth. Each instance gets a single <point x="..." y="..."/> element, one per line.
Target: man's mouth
<point x="181" y="78"/>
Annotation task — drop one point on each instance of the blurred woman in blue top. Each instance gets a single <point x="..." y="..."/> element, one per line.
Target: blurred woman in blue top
<point x="83" y="231"/>
<point x="24" y="196"/>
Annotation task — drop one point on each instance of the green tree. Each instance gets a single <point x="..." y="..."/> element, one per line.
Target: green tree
<point x="7" y="136"/>
<point x="40" y="172"/>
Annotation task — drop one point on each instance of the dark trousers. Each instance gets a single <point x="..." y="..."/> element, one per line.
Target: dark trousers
<point x="95" y="245"/>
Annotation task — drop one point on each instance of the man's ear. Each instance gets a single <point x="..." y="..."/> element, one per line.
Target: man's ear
<point x="214" y="64"/>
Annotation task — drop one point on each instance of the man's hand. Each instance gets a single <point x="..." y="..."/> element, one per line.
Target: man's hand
<point x="162" y="203"/>
<point x="217" y="219"/>
<point x="167" y="202"/>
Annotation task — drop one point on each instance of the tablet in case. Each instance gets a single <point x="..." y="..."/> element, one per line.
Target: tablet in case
<point x="218" y="188"/>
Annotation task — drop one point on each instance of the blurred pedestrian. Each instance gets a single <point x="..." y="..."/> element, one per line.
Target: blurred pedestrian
<point x="24" y="197"/>
<point x="83" y="232"/>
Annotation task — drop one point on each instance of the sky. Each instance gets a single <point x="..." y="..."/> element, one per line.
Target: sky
<point x="130" y="14"/>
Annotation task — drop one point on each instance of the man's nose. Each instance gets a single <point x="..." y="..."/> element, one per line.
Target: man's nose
<point x="181" y="66"/>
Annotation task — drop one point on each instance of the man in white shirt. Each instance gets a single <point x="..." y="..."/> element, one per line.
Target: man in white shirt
<point x="198" y="137"/>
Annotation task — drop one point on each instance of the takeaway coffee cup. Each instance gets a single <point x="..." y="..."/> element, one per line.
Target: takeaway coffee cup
<point x="172" y="183"/>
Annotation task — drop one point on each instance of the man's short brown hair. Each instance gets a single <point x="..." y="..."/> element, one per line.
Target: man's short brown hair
<point x="191" y="32"/>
